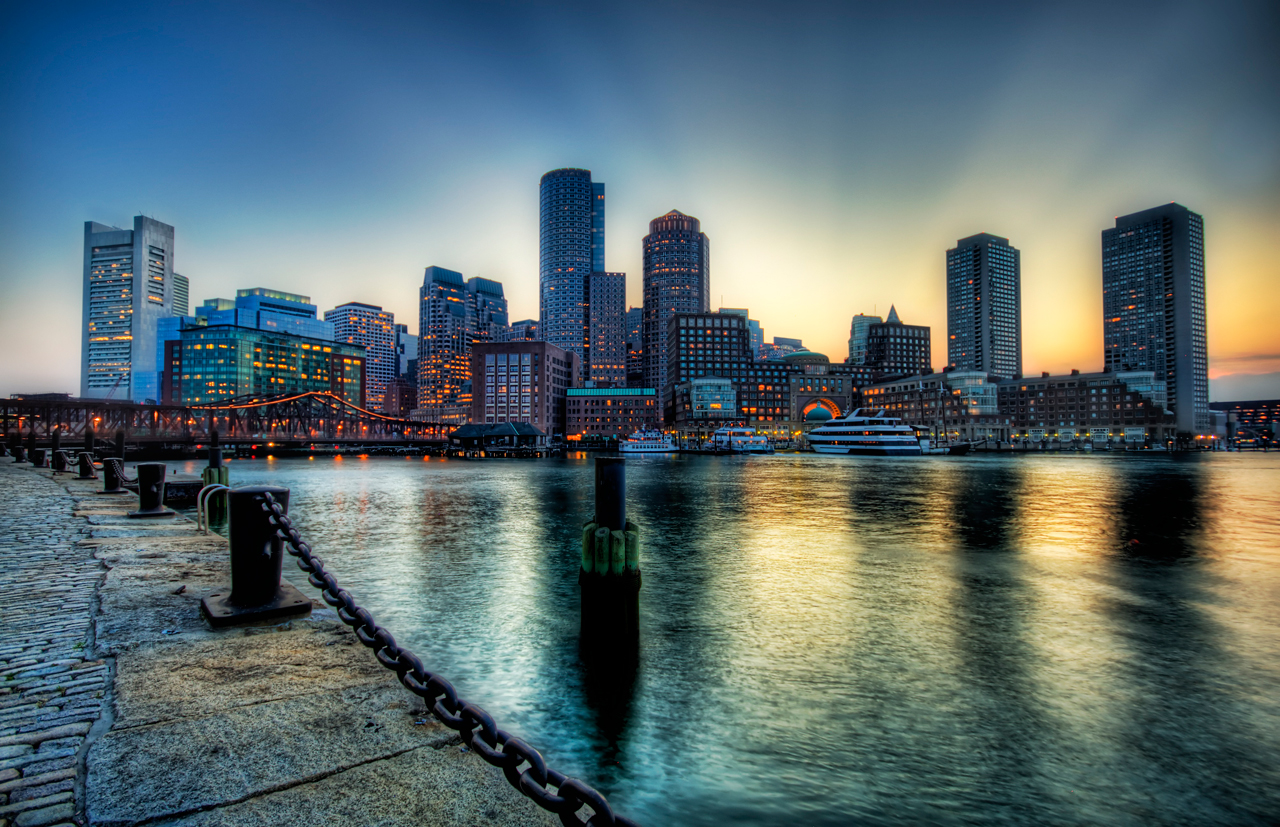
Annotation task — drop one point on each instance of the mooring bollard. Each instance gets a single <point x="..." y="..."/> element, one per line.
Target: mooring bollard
<point x="610" y="574"/>
<point x="87" y="471"/>
<point x="38" y="458"/>
<point x="112" y="480"/>
<point x="90" y="439"/>
<point x="55" y="442"/>
<point x="257" y="559"/>
<point x="120" y="444"/>
<point x="31" y="445"/>
<point x="151" y="491"/>
<point x="216" y="474"/>
<point x="20" y="454"/>
<point x="60" y="462"/>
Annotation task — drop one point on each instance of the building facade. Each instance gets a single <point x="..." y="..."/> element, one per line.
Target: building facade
<point x="897" y="349"/>
<point x="570" y="249"/>
<point x="1153" y="306"/>
<point x="522" y="382"/>
<point x="858" y="329"/>
<point x="984" y="306"/>
<point x="181" y="295"/>
<point x="214" y="363"/>
<point x="611" y="413"/>
<point x="960" y="405"/>
<point x="129" y="286"/>
<point x="704" y="404"/>
<point x="634" y="323"/>
<point x="606" y="351"/>
<point x="780" y="348"/>
<point x="374" y="329"/>
<point x="1112" y="406"/>
<point x="755" y="333"/>
<point x="406" y="355"/>
<point x="454" y="314"/>
<point x="677" y="279"/>
<point x="525" y="330"/>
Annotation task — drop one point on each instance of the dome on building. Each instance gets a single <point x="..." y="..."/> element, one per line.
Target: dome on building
<point x="818" y="414"/>
<point x="806" y="357"/>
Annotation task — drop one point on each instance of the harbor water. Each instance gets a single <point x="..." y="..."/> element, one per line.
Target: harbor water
<point x="1041" y="639"/>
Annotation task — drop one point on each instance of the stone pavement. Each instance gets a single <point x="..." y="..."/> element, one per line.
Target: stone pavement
<point x="52" y="687"/>
<point x="122" y="707"/>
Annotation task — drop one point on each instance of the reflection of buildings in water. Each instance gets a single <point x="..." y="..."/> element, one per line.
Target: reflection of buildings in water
<point x="983" y="500"/>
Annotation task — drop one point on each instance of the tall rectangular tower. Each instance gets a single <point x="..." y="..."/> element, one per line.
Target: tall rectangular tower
<point x="374" y="329"/>
<point x="571" y="247"/>
<point x="128" y="288"/>
<point x="984" y="306"/>
<point x="444" y="343"/>
<point x="606" y="322"/>
<point x="1153" y="306"/>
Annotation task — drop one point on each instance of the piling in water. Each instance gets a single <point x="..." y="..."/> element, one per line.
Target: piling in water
<point x="610" y="570"/>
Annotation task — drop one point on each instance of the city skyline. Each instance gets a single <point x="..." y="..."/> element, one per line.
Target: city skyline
<point x="816" y="215"/>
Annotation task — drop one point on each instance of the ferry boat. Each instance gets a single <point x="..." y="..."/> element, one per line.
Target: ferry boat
<point x="648" y="442"/>
<point x="867" y="434"/>
<point x="740" y="440"/>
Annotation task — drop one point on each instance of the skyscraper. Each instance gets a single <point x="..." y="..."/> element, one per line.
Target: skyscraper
<point x="374" y="329"/>
<point x="181" y="295"/>
<point x="1153" y="306"/>
<point x="635" y="351"/>
<point x="607" y="340"/>
<point x="128" y="287"/>
<point x="571" y="247"/>
<point x="984" y="306"/>
<point x="897" y="349"/>
<point x="858" y="337"/>
<point x="677" y="279"/>
<point x="453" y="315"/>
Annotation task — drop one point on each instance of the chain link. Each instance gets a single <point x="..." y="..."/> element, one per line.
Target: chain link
<point x="119" y="466"/>
<point x="522" y="765"/>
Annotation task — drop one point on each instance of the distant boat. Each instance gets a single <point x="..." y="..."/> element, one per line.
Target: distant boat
<point x="648" y="442"/>
<point x="865" y="434"/>
<point x="740" y="440"/>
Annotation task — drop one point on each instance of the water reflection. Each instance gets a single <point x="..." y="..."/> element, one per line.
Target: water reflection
<point x="827" y="642"/>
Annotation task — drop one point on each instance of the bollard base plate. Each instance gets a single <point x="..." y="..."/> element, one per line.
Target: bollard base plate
<point x="139" y="515"/>
<point x="288" y="602"/>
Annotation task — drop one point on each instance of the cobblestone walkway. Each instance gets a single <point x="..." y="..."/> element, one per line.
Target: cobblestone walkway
<point x="51" y="694"/>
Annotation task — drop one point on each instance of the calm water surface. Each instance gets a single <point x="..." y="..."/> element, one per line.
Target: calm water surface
<point x="831" y="641"/>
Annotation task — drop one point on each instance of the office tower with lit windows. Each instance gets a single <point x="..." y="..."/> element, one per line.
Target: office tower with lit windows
<point x="129" y="286"/>
<point x="453" y="315"/>
<point x="858" y="337"/>
<point x="570" y="249"/>
<point x="677" y="279"/>
<point x="897" y="349"/>
<point x="1153" y="306"/>
<point x="488" y="308"/>
<point x="984" y="306"/>
<point x="374" y="329"/>
<point x="606" y="324"/>
<point x="635" y="350"/>
<point x="525" y="330"/>
<point x="754" y="331"/>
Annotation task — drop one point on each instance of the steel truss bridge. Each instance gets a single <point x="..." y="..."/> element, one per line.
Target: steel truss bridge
<point x="292" y="418"/>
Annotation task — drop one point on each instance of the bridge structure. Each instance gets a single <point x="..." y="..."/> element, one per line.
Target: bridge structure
<point x="300" y="418"/>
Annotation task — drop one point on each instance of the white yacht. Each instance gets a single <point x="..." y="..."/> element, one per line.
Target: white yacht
<point x="740" y="440"/>
<point x="865" y="433"/>
<point x="648" y="442"/>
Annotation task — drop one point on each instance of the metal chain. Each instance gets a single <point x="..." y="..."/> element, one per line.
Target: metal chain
<point x="522" y="765"/>
<point x="120" y="470"/>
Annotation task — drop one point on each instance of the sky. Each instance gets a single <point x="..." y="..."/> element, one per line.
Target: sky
<point x="833" y="153"/>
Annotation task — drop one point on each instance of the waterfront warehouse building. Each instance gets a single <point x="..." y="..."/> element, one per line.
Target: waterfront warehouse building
<point x="1153" y="306"/>
<point x="607" y="331"/>
<point x="959" y="405"/>
<point x="677" y="279"/>
<point x="897" y="349"/>
<point x="219" y="362"/>
<point x="1110" y="406"/>
<point x="453" y="315"/>
<point x="611" y="413"/>
<point x="522" y="382"/>
<point x="984" y="306"/>
<point x="129" y="286"/>
<point x="374" y="329"/>
<point x="570" y="248"/>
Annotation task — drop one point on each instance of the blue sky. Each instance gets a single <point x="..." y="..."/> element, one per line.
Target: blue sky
<point x="832" y="154"/>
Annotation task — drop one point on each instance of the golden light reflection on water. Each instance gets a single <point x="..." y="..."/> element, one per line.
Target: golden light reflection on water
<point x="1031" y="639"/>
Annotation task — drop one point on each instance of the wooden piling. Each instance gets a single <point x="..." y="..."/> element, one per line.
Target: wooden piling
<point x="610" y="571"/>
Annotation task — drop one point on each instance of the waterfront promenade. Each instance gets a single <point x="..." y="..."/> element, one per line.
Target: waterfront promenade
<point x="119" y="706"/>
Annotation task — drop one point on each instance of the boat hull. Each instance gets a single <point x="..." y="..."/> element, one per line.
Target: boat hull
<point x="870" y="450"/>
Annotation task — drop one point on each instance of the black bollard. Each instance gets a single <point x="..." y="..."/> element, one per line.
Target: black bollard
<point x="151" y="491"/>
<point x="257" y="558"/>
<point x="89" y="439"/>
<point x="60" y="462"/>
<point x="15" y="440"/>
<point x="38" y="458"/>
<point x="20" y="454"/>
<point x="87" y="471"/>
<point x="610" y="573"/>
<point x="120" y="444"/>
<point x="111" y="481"/>
<point x="55" y="441"/>
<point x="31" y="445"/>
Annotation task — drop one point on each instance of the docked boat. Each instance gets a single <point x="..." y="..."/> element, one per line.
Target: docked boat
<point x="648" y="442"/>
<point x="740" y="440"/>
<point x="865" y="433"/>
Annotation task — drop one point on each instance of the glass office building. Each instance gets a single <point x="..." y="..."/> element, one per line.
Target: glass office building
<point x="984" y="306"/>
